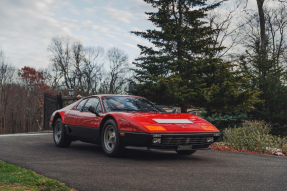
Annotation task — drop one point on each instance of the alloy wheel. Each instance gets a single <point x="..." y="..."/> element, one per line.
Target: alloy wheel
<point x="110" y="138"/>
<point x="58" y="132"/>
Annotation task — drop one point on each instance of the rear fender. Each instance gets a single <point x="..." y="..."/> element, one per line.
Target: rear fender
<point x="56" y="115"/>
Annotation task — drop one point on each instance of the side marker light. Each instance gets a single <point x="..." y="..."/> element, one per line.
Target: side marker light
<point x="209" y="128"/>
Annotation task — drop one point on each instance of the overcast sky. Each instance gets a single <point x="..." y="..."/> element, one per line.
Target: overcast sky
<point x="27" y="26"/>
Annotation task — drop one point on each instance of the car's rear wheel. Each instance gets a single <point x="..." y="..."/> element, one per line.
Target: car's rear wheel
<point x="61" y="139"/>
<point x="110" y="139"/>
<point x="186" y="152"/>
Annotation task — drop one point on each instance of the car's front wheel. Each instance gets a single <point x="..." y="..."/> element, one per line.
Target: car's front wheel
<point x="110" y="139"/>
<point x="61" y="139"/>
<point x="185" y="152"/>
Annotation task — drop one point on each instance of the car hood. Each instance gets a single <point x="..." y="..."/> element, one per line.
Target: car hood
<point x="172" y="122"/>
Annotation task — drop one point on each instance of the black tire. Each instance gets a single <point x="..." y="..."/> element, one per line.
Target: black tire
<point x="61" y="139"/>
<point x="185" y="152"/>
<point x="110" y="139"/>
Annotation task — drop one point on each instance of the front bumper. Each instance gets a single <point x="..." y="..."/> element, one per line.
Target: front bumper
<point x="168" y="140"/>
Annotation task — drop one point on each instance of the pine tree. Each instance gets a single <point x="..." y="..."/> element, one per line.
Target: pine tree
<point x="268" y="75"/>
<point x="182" y="68"/>
<point x="266" y="65"/>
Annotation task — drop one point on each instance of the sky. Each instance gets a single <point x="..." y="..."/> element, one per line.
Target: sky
<point x="27" y="26"/>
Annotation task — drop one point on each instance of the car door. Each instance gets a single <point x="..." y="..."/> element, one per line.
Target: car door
<point x="89" y="122"/>
<point x="72" y="114"/>
<point x="73" y="120"/>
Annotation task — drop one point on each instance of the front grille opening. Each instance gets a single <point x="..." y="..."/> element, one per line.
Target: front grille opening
<point x="174" y="141"/>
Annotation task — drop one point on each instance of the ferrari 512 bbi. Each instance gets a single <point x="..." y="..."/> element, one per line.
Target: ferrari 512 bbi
<point x="117" y="121"/>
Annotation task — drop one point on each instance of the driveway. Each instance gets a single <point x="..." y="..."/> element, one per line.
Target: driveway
<point x="85" y="167"/>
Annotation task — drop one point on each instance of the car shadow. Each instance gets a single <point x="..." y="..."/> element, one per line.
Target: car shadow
<point x="140" y="154"/>
<point x="157" y="155"/>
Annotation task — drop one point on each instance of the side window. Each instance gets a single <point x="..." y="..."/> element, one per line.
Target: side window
<point x="95" y="102"/>
<point x="81" y="104"/>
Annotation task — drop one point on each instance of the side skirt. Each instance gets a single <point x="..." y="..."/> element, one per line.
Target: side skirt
<point x="85" y="134"/>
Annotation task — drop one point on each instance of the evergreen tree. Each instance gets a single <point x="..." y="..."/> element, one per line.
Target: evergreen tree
<point x="182" y="68"/>
<point x="266" y="66"/>
<point x="269" y="77"/>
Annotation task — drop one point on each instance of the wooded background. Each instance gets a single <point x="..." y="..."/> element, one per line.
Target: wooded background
<point x="230" y="64"/>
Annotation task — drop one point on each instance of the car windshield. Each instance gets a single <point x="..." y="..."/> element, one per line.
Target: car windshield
<point x="129" y="104"/>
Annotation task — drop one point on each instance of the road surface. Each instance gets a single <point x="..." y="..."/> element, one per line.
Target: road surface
<point x="85" y="167"/>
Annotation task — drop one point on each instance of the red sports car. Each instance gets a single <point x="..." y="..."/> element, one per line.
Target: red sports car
<point x="117" y="121"/>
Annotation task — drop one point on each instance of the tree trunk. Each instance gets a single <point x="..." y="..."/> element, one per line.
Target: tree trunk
<point x="184" y="109"/>
<point x="3" y="123"/>
<point x="262" y="25"/>
<point x="263" y="52"/>
<point x="179" y="43"/>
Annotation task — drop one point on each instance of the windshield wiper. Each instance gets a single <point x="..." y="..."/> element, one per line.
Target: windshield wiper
<point x="154" y="110"/>
<point x="136" y="110"/>
<point x="123" y="110"/>
<point x="147" y="110"/>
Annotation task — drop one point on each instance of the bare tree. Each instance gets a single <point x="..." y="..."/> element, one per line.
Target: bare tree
<point x="267" y="72"/>
<point x="52" y="76"/>
<point x="226" y="28"/>
<point x="76" y="62"/>
<point x="82" y="68"/>
<point x="118" y="72"/>
<point x="276" y="44"/>
<point x="76" y="66"/>
<point x="262" y="20"/>
<point x="92" y="69"/>
<point x="276" y="28"/>
<point x="62" y="54"/>
<point x="6" y="77"/>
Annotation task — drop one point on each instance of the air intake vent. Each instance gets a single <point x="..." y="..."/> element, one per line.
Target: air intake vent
<point x="174" y="141"/>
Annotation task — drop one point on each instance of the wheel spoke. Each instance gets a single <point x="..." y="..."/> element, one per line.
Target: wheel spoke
<point x="109" y="138"/>
<point x="58" y="133"/>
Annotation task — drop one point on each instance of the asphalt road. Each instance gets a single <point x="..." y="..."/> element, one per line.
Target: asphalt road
<point x="85" y="167"/>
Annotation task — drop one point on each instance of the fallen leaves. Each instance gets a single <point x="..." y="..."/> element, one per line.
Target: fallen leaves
<point x="228" y="148"/>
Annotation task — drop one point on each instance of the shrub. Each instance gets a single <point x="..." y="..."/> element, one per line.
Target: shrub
<point x="253" y="136"/>
<point x="224" y="121"/>
<point x="284" y="147"/>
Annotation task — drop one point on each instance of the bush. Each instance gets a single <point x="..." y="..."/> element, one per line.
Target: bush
<point x="224" y="121"/>
<point x="277" y="119"/>
<point x="253" y="136"/>
<point x="284" y="147"/>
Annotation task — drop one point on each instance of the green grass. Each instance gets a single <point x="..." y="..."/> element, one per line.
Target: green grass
<point x="16" y="178"/>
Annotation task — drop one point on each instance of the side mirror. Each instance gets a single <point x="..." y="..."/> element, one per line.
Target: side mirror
<point x="93" y="110"/>
<point x="174" y="111"/>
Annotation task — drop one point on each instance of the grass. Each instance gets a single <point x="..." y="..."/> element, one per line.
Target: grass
<point x="15" y="178"/>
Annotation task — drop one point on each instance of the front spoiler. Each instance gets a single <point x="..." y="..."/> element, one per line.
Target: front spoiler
<point x="161" y="149"/>
<point x="145" y="139"/>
